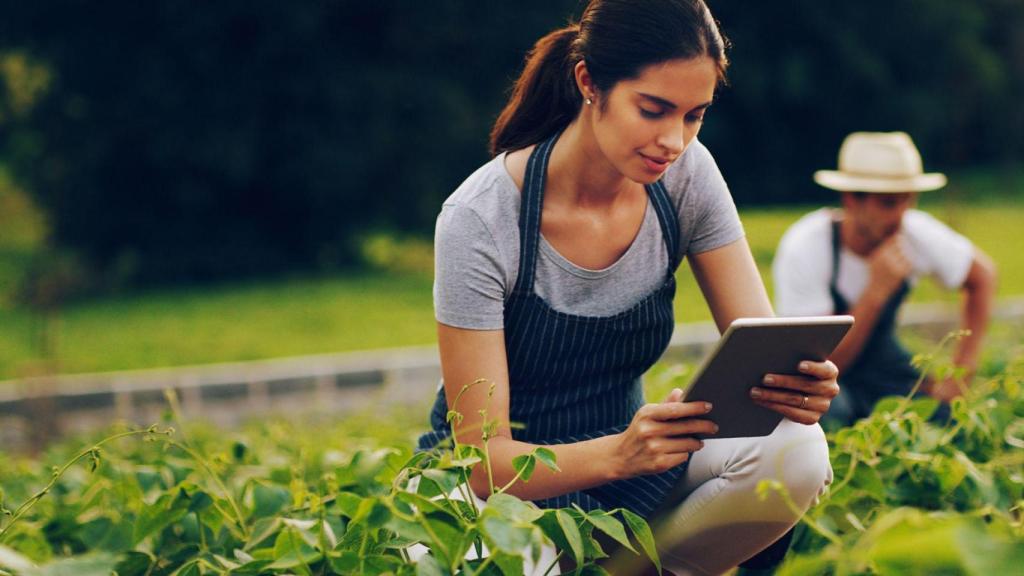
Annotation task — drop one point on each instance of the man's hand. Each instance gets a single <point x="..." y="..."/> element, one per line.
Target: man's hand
<point x="889" y="266"/>
<point x="946" y="390"/>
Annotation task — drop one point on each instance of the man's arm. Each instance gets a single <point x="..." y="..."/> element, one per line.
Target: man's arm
<point x="979" y="289"/>
<point x="888" y="268"/>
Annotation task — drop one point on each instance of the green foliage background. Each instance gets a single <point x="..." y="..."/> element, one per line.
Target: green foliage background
<point x="170" y="142"/>
<point x="910" y="496"/>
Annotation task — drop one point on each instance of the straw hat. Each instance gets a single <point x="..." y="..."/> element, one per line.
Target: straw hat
<point x="886" y="162"/>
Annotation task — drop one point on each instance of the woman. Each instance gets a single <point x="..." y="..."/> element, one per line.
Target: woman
<point x="555" y="269"/>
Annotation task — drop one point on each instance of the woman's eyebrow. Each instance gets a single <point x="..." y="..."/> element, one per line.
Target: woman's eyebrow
<point x="669" y="104"/>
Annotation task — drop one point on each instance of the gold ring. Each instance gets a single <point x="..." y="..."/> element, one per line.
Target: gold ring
<point x="803" y="404"/>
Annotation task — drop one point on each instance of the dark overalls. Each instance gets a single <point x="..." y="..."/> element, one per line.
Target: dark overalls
<point x="883" y="367"/>
<point x="574" y="378"/>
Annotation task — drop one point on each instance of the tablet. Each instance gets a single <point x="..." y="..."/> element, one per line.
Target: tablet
<point x="749" y="349"/>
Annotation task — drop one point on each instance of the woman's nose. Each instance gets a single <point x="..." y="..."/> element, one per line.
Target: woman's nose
<point x="673" y="140"/>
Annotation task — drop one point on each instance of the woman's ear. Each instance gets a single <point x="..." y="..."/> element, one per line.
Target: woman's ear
<point x="584" y="82"/>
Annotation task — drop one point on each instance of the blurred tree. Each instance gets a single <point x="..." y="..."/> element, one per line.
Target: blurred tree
<point x="808" y="72"/>
<point x="179" y="142"/>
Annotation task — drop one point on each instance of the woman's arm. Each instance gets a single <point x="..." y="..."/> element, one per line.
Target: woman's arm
<point x="731" y="284"/>
<point x="733" y="289"/>
<point x="648" y="446"/>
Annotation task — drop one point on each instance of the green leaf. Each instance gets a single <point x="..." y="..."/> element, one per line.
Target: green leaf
<point x="380" y="564"/>
<point x="444" y="481"/>
<point x="293" y="550"/>
<point x="642" y="531"/>
<point x="512" y="508"/>
<point x="190" y="568"/>
<point x="423" y="504"/>
<point x="167" y="510"/>
<point x="264" y="529"/>
<point x="523" y="465"/>
<point x="101" y="564"/>
<point x="344" y="562"/>
<point x="268" y="499"/>
<point x="454" y="535"/>
<point x="134" y="563"/>
<point x="571" y="533"/>
<point x="372" y="513"/>
<point x="104" y="533"/>
<point x="986" y="550"/>
<point x="347" y="503"/>
<point x="504" y="535"/>
<point x="606" y="523"/>
<point x="199" y="501"/>
<point x="407" y="529"/>
<point x="509" y="564"/>
<point x="547" y="457"/>
<point x="428" y="566"/>
<point x="868" y="479"/>
<point x="908" y="540"/>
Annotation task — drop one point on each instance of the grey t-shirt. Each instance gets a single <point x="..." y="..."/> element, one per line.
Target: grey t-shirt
<point x="476" y="246"/>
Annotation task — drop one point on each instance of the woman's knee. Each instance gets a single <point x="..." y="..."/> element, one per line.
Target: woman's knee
<point x="798" y="457"/>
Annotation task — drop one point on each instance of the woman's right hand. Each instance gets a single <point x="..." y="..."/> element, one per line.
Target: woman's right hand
<point x="661" y="436"/>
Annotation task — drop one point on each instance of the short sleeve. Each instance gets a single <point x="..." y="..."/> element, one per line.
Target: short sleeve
<point x="800" y="274"/>
<point x="707" y="214"/>
<point x="469" y="282"/>
<point x="938" y="250"/>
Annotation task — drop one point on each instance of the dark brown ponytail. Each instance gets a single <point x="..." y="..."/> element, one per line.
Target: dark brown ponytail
<point x="616" y="38"/>
<point x="544" y="98"/>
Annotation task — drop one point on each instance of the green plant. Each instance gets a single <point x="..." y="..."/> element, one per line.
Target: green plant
<point x="189" y="505"/>
<point x="913" y="495"/>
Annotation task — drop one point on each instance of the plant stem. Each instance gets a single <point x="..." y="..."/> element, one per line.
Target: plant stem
<point x="216" y="479"/>
<point x="60" y="472"/>
<point x="555" y="563"/>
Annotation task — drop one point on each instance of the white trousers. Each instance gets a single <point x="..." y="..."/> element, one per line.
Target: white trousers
<point x="722" y="521"/>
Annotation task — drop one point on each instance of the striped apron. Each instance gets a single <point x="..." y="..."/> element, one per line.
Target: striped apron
<point x="574" y="378"/>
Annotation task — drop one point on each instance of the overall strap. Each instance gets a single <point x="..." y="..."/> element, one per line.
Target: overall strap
<point x="532" y="203"/>
<point x="668" y="220"/>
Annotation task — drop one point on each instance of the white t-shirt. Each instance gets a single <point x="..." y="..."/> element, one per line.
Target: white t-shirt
<point x="802" y="267"/>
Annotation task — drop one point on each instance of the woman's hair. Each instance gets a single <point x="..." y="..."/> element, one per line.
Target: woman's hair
<point x="616" y="39"/>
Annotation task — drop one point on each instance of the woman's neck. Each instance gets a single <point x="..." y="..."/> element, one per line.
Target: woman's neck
<point x="579" y="172"/>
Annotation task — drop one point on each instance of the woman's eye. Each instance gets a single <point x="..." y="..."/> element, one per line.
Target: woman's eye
<point x="695" y="119"/>
<point x="650" y="114"/>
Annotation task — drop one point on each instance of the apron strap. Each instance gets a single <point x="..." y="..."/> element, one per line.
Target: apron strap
<point x="669" y="222"/>
<point x="532" y="203"/>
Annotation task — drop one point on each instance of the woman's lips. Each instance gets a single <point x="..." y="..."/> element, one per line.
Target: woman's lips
<point x="655" y="164"/>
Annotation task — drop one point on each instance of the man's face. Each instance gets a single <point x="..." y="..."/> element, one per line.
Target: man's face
<point x="876" y="217"/>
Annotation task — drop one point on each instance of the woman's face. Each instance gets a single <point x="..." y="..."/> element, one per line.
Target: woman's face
<point x="643" y="124"/>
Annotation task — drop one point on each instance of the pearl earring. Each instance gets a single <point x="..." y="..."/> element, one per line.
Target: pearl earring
<point x="589" y="101"/>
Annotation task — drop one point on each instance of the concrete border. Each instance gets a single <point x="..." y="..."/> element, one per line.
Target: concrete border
<point x="31" y="409"/>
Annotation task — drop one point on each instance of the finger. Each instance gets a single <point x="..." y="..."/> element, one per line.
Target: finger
<point x="687" y="427"/>
<point x="677" y="445"/>
<point x="674" y="396"/>
<point x="826" y="370"/>
<point x="676" y="410"/>
<point x="801" y="416"/>
<point x="801" y="385"/>
<point x="802" y="402"/>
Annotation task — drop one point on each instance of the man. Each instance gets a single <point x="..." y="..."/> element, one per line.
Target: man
<point x="863" y="260"/>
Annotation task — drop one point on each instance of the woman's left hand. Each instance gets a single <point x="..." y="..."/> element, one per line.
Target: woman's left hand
<point x="802" y="398"/>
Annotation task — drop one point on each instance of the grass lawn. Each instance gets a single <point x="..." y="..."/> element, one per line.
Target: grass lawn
<point x="310" y="315"/>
